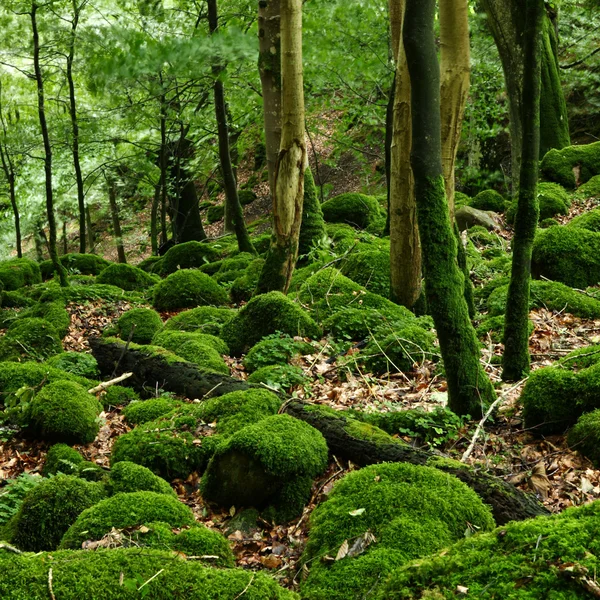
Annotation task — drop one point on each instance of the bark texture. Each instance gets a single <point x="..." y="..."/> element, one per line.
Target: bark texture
<point x="9" y="173"/>
<point x="116" y="221"/>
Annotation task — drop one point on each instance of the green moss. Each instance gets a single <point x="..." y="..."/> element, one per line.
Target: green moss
<point x="558" y="165"/>
<point x="172" y="339"/>
<point x="187" y="288"/>
<point x="50" y="508"/>
<point x="62" y="459"/>
<point x="63" y="411"/>
<point x="30" y="339"/>
<point x="126" y="476"/>
<point x="553" y="200"/>
<point x="266" y="314"/>
<point x="369" y="269"/>
<point x="215" y="213"/>
<point x="252" y="467"/>
<point x="244" y="286"/>
<point x="357" y="210"/>
<point x="581" y="358"/>
<point x="148" y="263"/>
<point x="246" y="197"/>
<point x="86" y="264"/>
<point x="588" y="220"/>
<point x="545" y="223"/>
<point x="461" y="199"/>
<point x="226" y="269"/>
<point x="15" y="300"/>
<point x="590" y="189"/>
<point x="275" y="349"/>
<point x="312" y="229"/>
<point x="494" y="326"/>
<point x="54" y="312"/>
<point x="136" y="413"/>
<point x="19" y="272"/>
<point x="126" y="510"/>
<point x="368" y="432"/>
<point x="118" y="395"/>
<point x="139" y="325"/>
<point x="204" y="319"/>
<point x="411" y="511"/>
<point x="279" y="377"/>
<point x="359" y="324"/>
<point x="84" y="574"/>
<point x="127" y="277"/>
<point x="585" y="436"/>
<point x="190" y="255"/>
<point x="489" y="200"/>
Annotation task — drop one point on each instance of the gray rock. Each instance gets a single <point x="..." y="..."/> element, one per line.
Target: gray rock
<point x="467" y="216"/>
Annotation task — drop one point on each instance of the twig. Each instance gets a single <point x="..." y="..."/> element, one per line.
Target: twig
<point x="107" y="384"/>
<point x="10" y="548"/>
<point x="246" y="588"/>
<point x="486" y="416"/>
<point x="50" y="584"/>
<point x="149" y="580"/>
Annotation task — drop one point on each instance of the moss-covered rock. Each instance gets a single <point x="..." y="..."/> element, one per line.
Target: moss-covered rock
<point x="370" y="269"/>
<point x="354" y="209"/>
<point x="63" y="411"/>
<point x="30" y="339"/>
<point x="188" y="288"/>
<point x="271" y="462"/>
<point x="312" y="229"/>
<point x="588" y="220"/>
<point x="246" y="197"/>
<point x="590" y="189"/>
<point x="244" y="286"/>
<point x="62" y="459"/>
<point x="148" y="264"/>
<point x="387" y="514"/>
<point x="139" y="325"/>
<point x="127" y="277"/>
<point x="11" y="498"/>
<point x="50" y="508"/>
<point x="189" y="255"/>
<point x="275" y="349"/>
<point x="204" y="319"/>
<point x="173" y="339"/>
<point x="85" y="264"/>
<point x="279" y="377"/>
<point x="126" y="476"/>
<point x="489" y="200"/>
<point x="559" y="165"/>
<point x="15" y="299"/>
<point x="585" y="436"/>
<point x="215" y="213"/>
<point x="581" y="358"/>
<point x="53" y="311"/>
<point x="461" y="199"/>
<point x="264" y="315"/>
<point x="136" y="413"/>
<point x="494" y="328"/>
<point x="118" y="395"/>
<point x="19" y="272"/>
<point x="126" y="510"/>
<point x="553" y="200"/>
<point x="545" y="223"/>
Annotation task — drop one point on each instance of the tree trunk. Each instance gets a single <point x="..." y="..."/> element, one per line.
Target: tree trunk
<point x="90" y="230"/>
<point x="469" y="389"/>
<point x="233" y="208"/>
<point x="9" y="173"/>
<point x="269" y="67"/>
<point x="292" y="161"/>
<point x="405" y="246"/>
<point x="114" y="213"/>
<point x="515" y="362"/>
<point x="58" y="268"/>
<point x="65" y="241"/>
<point x="154" y="217"/>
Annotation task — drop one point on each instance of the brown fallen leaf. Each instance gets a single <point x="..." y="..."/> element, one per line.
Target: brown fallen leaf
<point x="538" y="481"/>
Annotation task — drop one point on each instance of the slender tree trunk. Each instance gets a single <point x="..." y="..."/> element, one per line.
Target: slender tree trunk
<point x="65" y="241"/>
<point x="405" y="247"/>
<point x="289" y="174"/>
<point x="114" y="212"/>
<point x="269" y="67"/>
<point x="154" y="217"/>
<point x="62" y="274"/>
<point x="9" y="173"/>
<point x="233" y="208"/>
<point x="163" y="163"/>
<point x="75" y="127"/>
<point x="469" y="389"/>
<point x="39" y="238"/>
<point x="90" y="230"/>
<point x="515" y="362"/>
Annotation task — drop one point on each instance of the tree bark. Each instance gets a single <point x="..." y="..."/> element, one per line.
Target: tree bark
<point x="292" y="161"/>
<point x="469" y="389"/>
<point x="39" y="79"/>
<point x="269" y="67"/>
<point x="9" y="173"/>
<point x="233" y="209"/>
<point x="515" y="361"/>
<point x="90" y="230"/>
<point x="154" y="217"/>
<point x="114" y="213"/>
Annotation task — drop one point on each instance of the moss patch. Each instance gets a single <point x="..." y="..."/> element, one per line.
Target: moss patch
<point x="353" y="209"/>
<point x="188" y="288"/>
<point x="189" y="255"/>
<point x="559" y="165"/>
<point x="204" y="319"/>
<point x="126" y="476"/>
<point x="139" y="325"/>
<point x="127" y="277"/>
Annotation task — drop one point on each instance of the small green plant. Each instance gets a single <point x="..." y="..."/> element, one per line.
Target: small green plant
<point x="12" y="494"/>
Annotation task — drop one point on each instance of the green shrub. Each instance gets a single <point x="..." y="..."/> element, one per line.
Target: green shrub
<point x="136" y="413"/>
<point x="62" y="459"/>
<point x="264" y="315"/>
<point x="558" y="165"/>
<point x="30" y="339"/>
<point x="585" y="436"/>
<point x="279" y="377"/>
<point x="19" y="272"/>
<point x="173" y="339"/>
<point x="276" y="349"/>
<point x="11" y="497"/>
<point x="50" y="508"/>
<point x="189" y="255"/>
<point x="63" y="411"/>
<point x="127" y="277"/>
<point x="590" y="189"/>
<point x="77" y="363"/>
<point x="126" y="510"/>
<point x="188" y="288"/>
<point x="139" y="324"/>
<point x="398" y="511"/>
<point x="489" y="200"/>
<point x="369" y="269"/>
<point x="215" y="213"/>
<point x="118" y="395"/>
<point x="204" y="319"/>
<point x="126" y="476"/>
<point x="271" y="462"/>
<point x="357" y="210"/>
<point x="244" y="286"/>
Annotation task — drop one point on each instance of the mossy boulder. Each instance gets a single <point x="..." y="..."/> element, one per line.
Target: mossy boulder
<point x="354" y="209"/>
<point x="585" y="436"/>
<point x="204" y="319"/>
<point x="279" y="377"/>
<point x="53" y="311"/>
<point x="227" y="269"/>
<point x="118" y="395"/>
<point x="63" y="411"/>
<point x="386" y="514"/>
<point x="581" y="358"/>
<point x="560" y="165"/>
<point x="148" y="264"/>
<point x="126" y="510"/>
<point x="126" y="476"/>
<point x="127" y="277"/>
<point x="50" y="508"/>
<point x="553" y="200"/>
<point x="186" y="344"/>
<point x="244" y="286"/>
<point x="489" y="200"/>
<point x="590" y="189"/>
<point x="30" y="339"/>
<point x="62" y="459"/>
<point x="215" y="213"/>
<point x="139" y="325"/>
<point x="15" y="299"/>
<point x="264" y="315"/>
<point x="136" y="413"/>
<point x="246" y="197"/>
<point x="370" y="269"/>
<point x="85" y="264"/>
<point x="186" y="289"/>
<point x="189" y="255"/>
<point x="461" y="199"/>
<point x="272" y="462"/>
<point x="276" y="349"/>
<point x="588" y="220"/>
<point x="19" y="272"/>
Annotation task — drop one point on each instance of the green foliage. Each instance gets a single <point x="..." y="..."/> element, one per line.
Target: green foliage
<point x="77" y="363"/>
<point x="275" y="349"/>
<point x="558" y="165"/>
<point x="128" y="477"/>
<point x="136" y="413"/>
<point x="357" y="324"/>
<point x="279" y="377"/>
<point x="357" y="210"/>
<point x="127" y="277"/>
<point x="264" y="315"/>
<point x="12" y="494"/>
<point x="139" y="325"/>
<point x="189" y="255"/>
<point x="489" y="200"/>
<point x="19" y="272"/>
<point x="126" y="510"/>
<point x="49" y="509"/>
<point x="62" y="459"/>
<point x="30" y="339"/>
<point x="187" y="288"/>
<point x="204" y="319"/>
<point x="370" y="269"/>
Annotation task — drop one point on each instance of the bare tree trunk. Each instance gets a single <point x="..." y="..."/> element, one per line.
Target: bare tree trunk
<point x="90" y="230"/>
<point x="269" y="66"/>
<point x="9" y="173"/>
<point x="154" y="217"/>
<point x="114" y="212"/>
<point x="289" y="174"/>
<point x="65" y="241"/>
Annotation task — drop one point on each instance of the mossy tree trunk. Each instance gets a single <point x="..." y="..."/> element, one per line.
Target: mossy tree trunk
<point x="233" y="209"/>
<point x="269" y="67"/>
<point x="515" y="362"/>
<point x="116" y="221"/>
<point x="292" y="160"/>
<point x="312" y="229"/>
<point x="405" y="247"/>
<point x="469" y="389"/>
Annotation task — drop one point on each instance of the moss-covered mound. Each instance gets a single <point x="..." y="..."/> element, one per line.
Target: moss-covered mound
<point x="54" y="312"/>
<point x="149" y="263"/>
<point x="357" y="210"/>
<point x="272" y="462"/>
<point x="139" y="325"/>
<point x="77" y="363"/>
<point x="279" y="377"/>
<point x="387" y="514"/>
<point x="264" y="315"/>
<point x="127" y="277"/>
<point x="590" y="189"/>
<point x="126" y="476"/>
<point x="553" y="200"/>
<point x="126" y="510"/>
<point x="559" y="165"/>
<point x="276" y="349"/>
<point x="173" y="339"/>
<point x="62" y="459"/>
<point x="19" y="272"/>
<point x="370" y="269"/>
<point x="489" y="200"/>
<point x="186" y="289"/>
<point x="588" y="220"/>
<point x="49" y="509"/>
<point x="30" y="339"/>
<point x="189" y="255"/>
<point x="136" y="413"/>
<point x="585" y="436"/>
<point x="204" y="319"/>
<point x="494" y="328"/>
<point x="581" y="358"/>
<point x="118" y="395"/>
<point x="312" y="229"/>
<point x="244" y="286"/>
<point x="63" y="411"/>
<point x="85" y="264"/>
<point x="79" y="575"/>
<point x="547" y="557"/>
